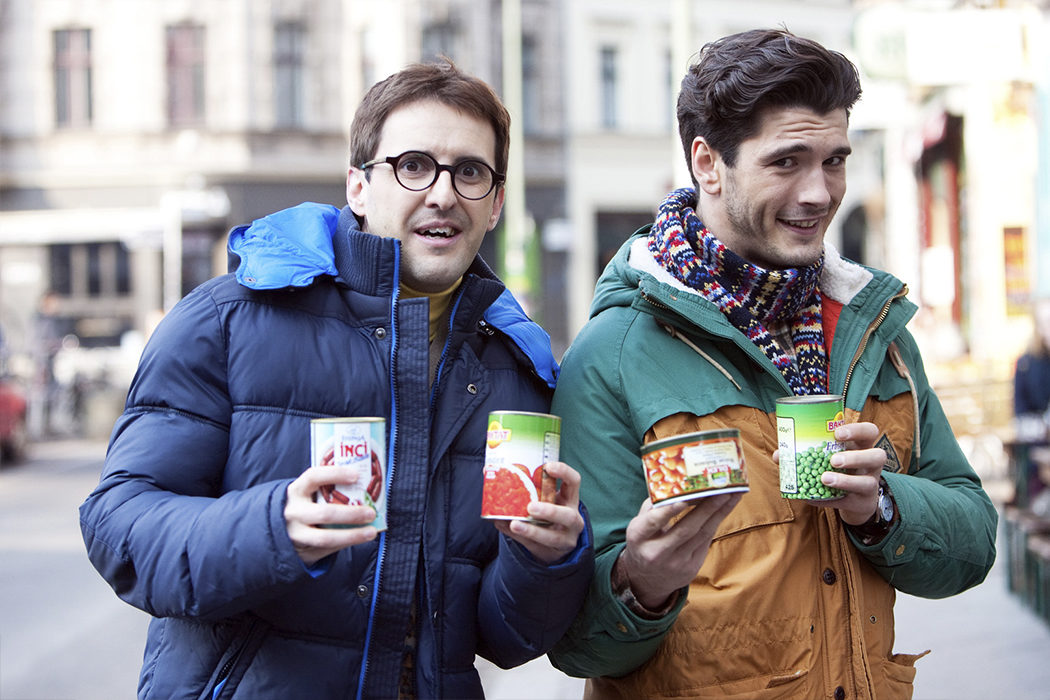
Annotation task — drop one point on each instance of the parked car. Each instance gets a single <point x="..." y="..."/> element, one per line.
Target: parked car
<point x="13" y="433"/>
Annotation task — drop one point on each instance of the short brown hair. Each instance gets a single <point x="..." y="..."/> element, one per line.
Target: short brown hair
<point x="724" y="94"/>
<point x="441" y="82"/>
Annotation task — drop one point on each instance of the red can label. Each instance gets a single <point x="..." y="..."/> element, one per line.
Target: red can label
<point x="517" y="445"/>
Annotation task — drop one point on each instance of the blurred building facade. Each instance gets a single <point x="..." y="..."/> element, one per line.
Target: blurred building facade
<point x="134" y="134"/>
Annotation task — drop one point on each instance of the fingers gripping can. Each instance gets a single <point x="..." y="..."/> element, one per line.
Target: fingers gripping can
<point x="806" y="440"/>
<point x="517" y="445"/>
<point x="361" y="444"/>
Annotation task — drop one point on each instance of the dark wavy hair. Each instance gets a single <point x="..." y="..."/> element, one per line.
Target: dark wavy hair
<point x="735" y="78"/>
<point x="440" y="82"/>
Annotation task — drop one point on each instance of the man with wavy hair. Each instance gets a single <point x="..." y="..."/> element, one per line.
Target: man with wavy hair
<point x="730" y="300"/>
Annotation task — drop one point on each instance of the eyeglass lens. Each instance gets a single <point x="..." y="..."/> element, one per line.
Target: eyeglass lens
<point x="417" y="171"/>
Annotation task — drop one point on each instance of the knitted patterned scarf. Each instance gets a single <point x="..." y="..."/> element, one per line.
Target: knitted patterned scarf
<point x="750" y="296"/>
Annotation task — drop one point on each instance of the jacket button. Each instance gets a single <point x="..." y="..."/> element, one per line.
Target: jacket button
<point x="900" y="550"/>
<point x="840" y="693"/>
<point x="362" y="591"/>
<point x="379" y="332"/>
<point x="829" y="576"/>
<point x="622" y="627"/>
<point x="472" y="389"/>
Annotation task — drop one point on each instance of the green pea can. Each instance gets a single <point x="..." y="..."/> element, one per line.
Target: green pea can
<point x="806" y="440"/>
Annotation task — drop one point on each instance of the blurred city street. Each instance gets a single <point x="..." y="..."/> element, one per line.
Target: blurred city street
<point x="65" y="636"/>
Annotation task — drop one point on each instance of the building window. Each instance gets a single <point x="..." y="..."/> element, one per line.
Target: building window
<point x="608" y="87"/>
<point x="72" y="77"/>
<point x="92" y="270"/>
<point x="288" y="74"/>
<point x="185" y="69"/>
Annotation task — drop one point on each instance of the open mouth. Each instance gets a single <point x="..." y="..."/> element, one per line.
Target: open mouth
<point x="441" y="232"/>
<point x="801" y="223"/>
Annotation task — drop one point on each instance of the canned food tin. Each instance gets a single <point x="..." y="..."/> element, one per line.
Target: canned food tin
<point x="694" y="465"/>
<point x="806" y="440"/>
<point x="361" y="444"/>
<point x="517" y="445"/>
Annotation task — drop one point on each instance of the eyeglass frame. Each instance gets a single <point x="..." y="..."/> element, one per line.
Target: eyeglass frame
<point x="497" y="178"/>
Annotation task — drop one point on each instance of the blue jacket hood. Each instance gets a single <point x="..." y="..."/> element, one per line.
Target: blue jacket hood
<point x="292" y="247"/>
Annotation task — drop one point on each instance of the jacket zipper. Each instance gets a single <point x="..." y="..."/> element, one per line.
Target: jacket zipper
<point x="391" y="467"/>
<point x="867" y="336"/>
<point x="227" y="668"/>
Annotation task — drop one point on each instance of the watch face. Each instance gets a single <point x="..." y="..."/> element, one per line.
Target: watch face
<point x="885" y="508"/>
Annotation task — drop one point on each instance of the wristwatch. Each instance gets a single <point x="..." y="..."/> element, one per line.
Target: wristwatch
<point x="878" y="525"/>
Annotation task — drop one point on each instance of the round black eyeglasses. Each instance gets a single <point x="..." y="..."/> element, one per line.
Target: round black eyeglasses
<point x="416" y="171"/>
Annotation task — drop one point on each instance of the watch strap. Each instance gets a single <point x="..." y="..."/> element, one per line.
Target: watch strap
<point x="876" y="527"/>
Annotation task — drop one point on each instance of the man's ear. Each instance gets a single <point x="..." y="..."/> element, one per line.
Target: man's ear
<point x="357" y="191"/>
<point x="707" y="166"/>
<point x="497" y="207"/>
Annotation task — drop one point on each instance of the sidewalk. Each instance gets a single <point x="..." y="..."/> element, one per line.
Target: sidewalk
<point x="985" y="645"/>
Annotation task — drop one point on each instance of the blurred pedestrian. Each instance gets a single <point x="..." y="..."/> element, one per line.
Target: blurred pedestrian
<point x="49" y="328"/>
<point x="1032" y="414"/>
<point x="1032" y="373"/>
<point x="729" y="301"/>
<point x="205" y="517"/>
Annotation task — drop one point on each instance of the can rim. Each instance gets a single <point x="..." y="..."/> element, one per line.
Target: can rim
<point x="735" y="488"/>
<point x="699" y="436"/>
<point x="810" y="398"/>
<point x="349" y="419"/>
<point x="524" y="413"/>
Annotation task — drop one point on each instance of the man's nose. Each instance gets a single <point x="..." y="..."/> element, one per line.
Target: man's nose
<point x="816" y="188"/>
<point x="442" y="193"/>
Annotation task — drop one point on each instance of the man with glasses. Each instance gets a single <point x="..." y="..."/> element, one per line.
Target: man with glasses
<point x="205" y="516"/>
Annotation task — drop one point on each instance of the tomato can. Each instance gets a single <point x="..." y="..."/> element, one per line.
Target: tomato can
<point x="694" y="465"/>
<point x="517" y="445"/>
<point x="806" y="440"/>
<point x="361" y="444"/>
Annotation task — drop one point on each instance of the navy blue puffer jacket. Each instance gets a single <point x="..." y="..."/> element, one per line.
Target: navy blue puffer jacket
<point x="187" y="521"/>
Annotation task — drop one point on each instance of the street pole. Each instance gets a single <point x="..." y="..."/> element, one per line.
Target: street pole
<point x="515" y="233"/>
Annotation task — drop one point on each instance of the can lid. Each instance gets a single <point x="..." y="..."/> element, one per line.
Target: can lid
<point x="810" y="398"/>
<point x="524" y="413"/>
<point x="699" y="436"/>
<point x="349" y="419"/>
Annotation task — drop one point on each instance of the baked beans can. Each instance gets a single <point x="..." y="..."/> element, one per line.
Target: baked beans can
<point x="694" y="465"/>
<point x="806" y="440"/>
<point x="517" y="445"/>
<point x="359" y="443"/>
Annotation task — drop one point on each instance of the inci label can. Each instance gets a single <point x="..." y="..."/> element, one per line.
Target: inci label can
<point x="517" y="445"/>
<point x="361" y="444"/>
<point x="694" y="465"/>
<point x="806" y="440"/>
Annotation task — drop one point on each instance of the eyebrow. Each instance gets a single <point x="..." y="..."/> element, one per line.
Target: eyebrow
<point x="796" y="148"/>
<point x="457" y="161"/>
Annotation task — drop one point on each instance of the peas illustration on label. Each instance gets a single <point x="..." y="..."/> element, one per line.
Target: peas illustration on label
<point x="806" y="439"/>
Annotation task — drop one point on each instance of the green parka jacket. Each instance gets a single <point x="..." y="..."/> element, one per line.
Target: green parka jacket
<point x="788" y="603"/>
